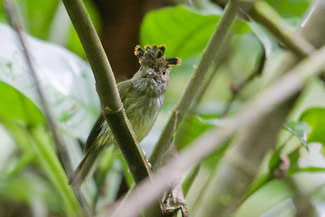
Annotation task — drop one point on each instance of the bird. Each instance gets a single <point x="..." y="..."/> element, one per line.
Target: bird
<point x="142" y="97"/>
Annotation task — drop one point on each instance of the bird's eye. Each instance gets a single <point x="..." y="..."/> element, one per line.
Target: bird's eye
<point x="164" y="72"/>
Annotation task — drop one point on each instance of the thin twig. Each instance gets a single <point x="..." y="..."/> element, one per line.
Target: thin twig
<point x="212" y="50"/>
<point x="277" y="93"/>
<point x="61" y="149"/>
<point x="236" y="89"/>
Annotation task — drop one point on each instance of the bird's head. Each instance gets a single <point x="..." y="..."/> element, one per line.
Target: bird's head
<point x="154" y="67"/>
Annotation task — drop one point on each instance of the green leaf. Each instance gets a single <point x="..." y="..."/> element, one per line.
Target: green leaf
<point x="275" y="158"/>
<point x="298" y="129"/>
<point x="290" y="8"/>
<point x="258" y="183"/>
<point x="66" y="81"/>
<point x="315" y="118"/>
<point x="190" y="129"/>
<point x="184" y="31"/>
<point x="294" y="157"/>
<point x="14" y="105"/>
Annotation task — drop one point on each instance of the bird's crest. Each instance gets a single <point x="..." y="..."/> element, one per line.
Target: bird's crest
<point x="153" y="57"/>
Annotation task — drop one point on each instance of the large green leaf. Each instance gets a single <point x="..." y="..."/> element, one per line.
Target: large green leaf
<point x="183" y="30"/>
<point x="65" y="79"/>
<point x="315" y="118"/>
<point x="14" y="105"/>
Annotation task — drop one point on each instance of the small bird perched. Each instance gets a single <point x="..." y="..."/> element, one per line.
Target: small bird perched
<point x="142" y="97"/>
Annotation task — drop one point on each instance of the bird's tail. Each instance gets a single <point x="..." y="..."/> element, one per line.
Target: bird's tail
<point x="86" y="167"/>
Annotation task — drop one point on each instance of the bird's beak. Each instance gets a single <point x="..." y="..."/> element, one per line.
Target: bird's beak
<point x="151" y="74"/>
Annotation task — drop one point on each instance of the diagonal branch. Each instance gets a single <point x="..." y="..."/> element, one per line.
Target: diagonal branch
<point x="284" y="88"/>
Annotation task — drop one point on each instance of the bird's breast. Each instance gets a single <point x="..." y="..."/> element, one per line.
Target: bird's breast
<point x="142" y="111"/>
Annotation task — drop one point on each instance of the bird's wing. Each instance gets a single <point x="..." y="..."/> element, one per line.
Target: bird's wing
<point x="123" y="88"/>
<point x="94" y="133"/>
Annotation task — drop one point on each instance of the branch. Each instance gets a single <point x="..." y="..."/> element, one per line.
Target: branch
<point x="112" y="107"/>
<point x="265" y="14"/>
<point x="260" y="137"/>
<point x="280" y="91"/>
<point x="211" y="52"/>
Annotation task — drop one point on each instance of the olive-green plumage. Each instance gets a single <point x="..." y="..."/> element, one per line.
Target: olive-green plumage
<point x="142" y="97"/>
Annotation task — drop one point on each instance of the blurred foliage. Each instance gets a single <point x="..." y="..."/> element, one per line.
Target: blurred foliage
<point x="32" y="171"/>
<point x="39" y="20"/>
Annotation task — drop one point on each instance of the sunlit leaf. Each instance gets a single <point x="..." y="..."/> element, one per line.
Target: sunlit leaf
<point x="315" y="118"/>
